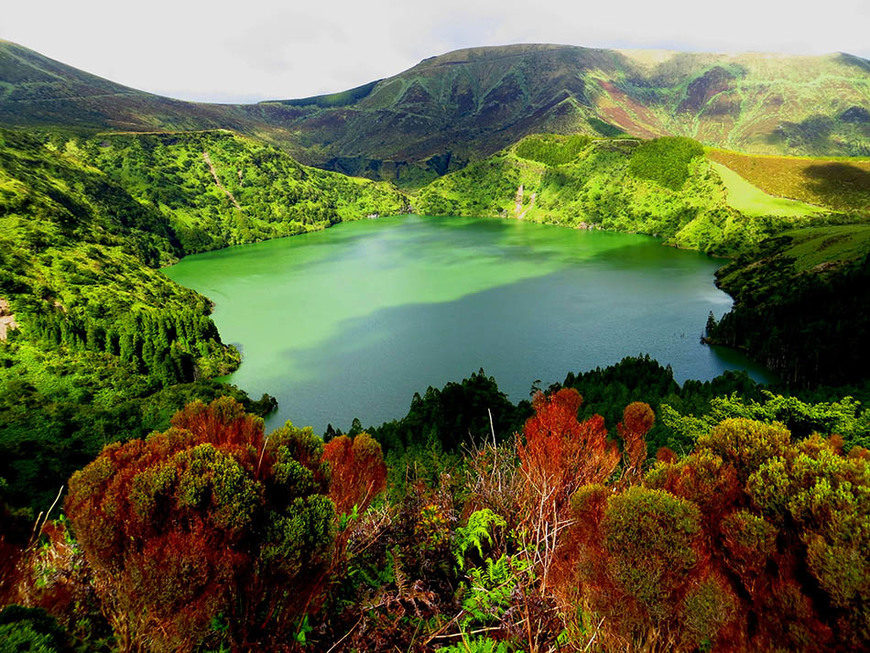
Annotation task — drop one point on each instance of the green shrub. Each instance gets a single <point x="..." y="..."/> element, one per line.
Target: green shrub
<point x="30" y="630"/>
<point x="552" y="150"/>
<point x="665" y="160"/>
<point x="651" y="536"/>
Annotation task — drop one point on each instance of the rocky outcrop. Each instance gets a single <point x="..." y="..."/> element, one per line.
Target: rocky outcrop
<point x="7" y="320"/>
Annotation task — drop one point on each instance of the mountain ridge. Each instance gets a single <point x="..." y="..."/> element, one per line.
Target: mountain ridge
<point x="467" y="104"/>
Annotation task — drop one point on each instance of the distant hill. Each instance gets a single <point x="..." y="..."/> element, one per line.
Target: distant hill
<point x="36" y="91"/>
<point x="468" y="104"/>
<point x="668" y="187"/>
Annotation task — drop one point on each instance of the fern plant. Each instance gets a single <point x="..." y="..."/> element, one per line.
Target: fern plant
<point x="491" y="588"/>
<point x="475" y="532"/>
<point x="476" y="645"/>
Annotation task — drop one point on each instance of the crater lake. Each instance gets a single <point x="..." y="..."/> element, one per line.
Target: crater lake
<point x="352" y="321"/>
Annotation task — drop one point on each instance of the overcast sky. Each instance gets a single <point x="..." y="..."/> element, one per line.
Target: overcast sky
<point x="250" y="50"/>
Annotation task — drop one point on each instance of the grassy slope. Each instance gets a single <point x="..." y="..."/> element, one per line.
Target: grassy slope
<point x="842" y="184"/>
<point x="751" y="200"/>
<point x="821" y="250"/>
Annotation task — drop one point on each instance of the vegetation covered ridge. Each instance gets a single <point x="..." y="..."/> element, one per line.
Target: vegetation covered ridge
<point x="664" y="187"/>
<point x="568" y="533"/>
<point x="219" y="188"/>
<point x="466" y="105"/>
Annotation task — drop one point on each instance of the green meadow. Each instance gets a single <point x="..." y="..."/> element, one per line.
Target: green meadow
<point x="751" y="200"/>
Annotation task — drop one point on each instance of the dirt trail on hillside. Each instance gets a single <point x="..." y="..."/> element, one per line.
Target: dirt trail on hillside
<point x="518" y="206"/>
<point x="217" y="180"/>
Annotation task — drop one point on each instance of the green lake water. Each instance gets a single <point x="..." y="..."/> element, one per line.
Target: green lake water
<point x="351" y="321"/>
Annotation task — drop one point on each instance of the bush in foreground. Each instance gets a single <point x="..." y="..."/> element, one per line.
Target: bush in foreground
<point x="206" y="531"/>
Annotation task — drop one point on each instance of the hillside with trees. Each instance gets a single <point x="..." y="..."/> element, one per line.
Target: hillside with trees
<point x="665" y="187"/>
<point x="800" y="304"/>
<point x="105" y="346"/>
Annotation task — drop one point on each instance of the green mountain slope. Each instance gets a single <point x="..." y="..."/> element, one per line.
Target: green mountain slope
<point x="751" y="200"/>
<point x="473" y="102"/>
<point x="79" y="256"/>
<point x="468" y="104"/>
<point x="218" y="188"/>
<point x="664" y="187"/>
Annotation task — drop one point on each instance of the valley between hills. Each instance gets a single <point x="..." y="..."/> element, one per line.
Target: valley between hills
<point x="760" y="491"/>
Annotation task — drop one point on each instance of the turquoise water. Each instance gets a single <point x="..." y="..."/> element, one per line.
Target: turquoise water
<point x="351" y="321"/>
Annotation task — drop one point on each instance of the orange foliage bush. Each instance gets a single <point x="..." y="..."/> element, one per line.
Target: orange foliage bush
<point x="208" y="518"/>
<point x="750" y="543"/>
<point x="560" y="453"/>
<point x="641" y="565"/>
<point x="638" y="418"/>
<point x="358" y="471"/>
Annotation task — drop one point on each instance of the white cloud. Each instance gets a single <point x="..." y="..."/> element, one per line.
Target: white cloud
<point x="257" y="49"/>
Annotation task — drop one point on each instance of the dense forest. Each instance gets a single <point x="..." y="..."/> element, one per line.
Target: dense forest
<point x="615" y="511"/>
<point x="801" y="304"/>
